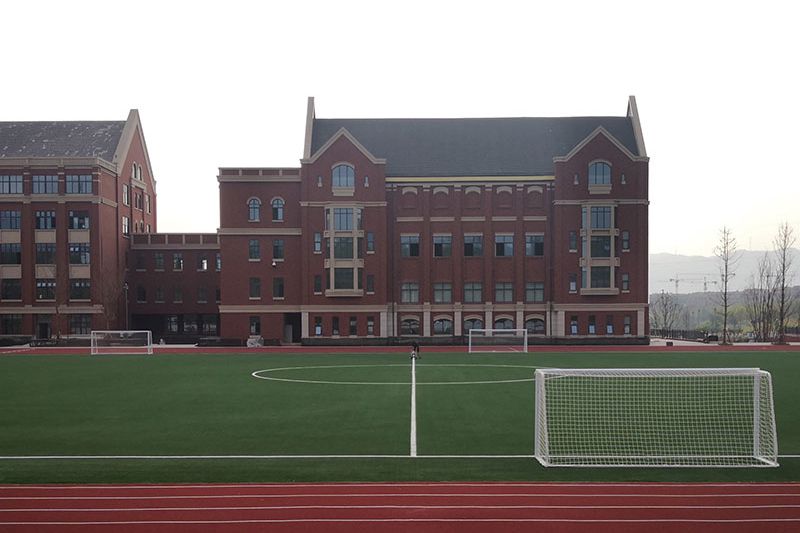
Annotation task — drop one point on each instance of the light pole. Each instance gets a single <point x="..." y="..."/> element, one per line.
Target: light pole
<point x="127" y="326"/>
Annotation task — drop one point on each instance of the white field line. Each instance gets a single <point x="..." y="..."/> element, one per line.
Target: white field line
<point x="411" y="520"/>
<point x="490" y="495"/>
<point x="282" y="457"/>
<point x="413" y="432"/>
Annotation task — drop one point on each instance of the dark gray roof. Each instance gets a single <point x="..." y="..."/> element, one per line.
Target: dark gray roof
<point x="472" y="146"/>
<point x="60" y="139"/>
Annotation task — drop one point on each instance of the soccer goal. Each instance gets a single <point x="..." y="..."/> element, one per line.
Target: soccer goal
<point x="122" y="342"/>
<point x="498" y="340"/>
<point x="676" y="417"/>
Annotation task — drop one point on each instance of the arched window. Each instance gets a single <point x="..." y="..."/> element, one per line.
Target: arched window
<point x="344" y="176"/>
<point x="253" y="210"/>
<point x="535" y="326"/>
<point x="442" y="326"/>
<point x="503" y="323"/>
<point x="409" y="326"/>
<point x="277" y="209"/>
<point x="599" y="173"/>
<point x="472" y="323"/>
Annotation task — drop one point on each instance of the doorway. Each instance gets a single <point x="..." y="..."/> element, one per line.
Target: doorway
<point x="292" y="328"/>
<point x="44" y="329"/>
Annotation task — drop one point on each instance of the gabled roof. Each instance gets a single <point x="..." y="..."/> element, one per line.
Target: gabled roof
<point x="60" y="139"/>
<point x="472" y="146"/>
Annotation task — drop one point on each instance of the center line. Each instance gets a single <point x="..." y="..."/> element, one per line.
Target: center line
<point x="413" y="407"/>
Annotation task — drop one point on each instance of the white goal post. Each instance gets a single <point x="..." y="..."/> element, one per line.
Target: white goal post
<point x="498" y="340"/>
<point x="122" y="342"/>
<point x="658" y="417"/>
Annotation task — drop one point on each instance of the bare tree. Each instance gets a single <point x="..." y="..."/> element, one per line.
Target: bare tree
<point x="726" y="253"/>
<point x="759" y="300"/>
<point x="783" y="271"/>
<point x="664" y="312"/>
<point x="111" y="291"/>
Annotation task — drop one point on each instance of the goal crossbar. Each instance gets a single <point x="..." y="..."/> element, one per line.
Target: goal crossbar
<point x="498" y="340"/>
<point x="106" y="342"/>
<point x="676" y="417"/>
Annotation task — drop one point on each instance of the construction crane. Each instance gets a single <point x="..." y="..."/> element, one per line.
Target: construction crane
<point x="677" y="280"/>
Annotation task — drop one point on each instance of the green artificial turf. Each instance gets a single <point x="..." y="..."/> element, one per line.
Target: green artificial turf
<point x="193" y="405"/>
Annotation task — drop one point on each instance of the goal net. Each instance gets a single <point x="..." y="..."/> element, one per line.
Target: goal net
<point x="121" y="342"/>
<point x="498" y="340"/>
<point x="709" y="417"/>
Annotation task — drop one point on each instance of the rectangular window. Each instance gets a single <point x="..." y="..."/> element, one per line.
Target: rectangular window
<point x="45" y="184"/>
<point x="592" y="325"/>
<point x="626" y="282"/>
<point x="370" y="325"/>
<point x="80" y="324"/>
<point x="254" y="250"/>
<point x="573" y="325"/>
<point x="10" y="184"/>
<point x="137" y="201"/>
<point x="353" y="326"/>
<point x="147" y="207"/>
<point x="601" y="217"/>
<point x="255" y="287"/>
<point x="601" y="246"/>
<point x="343" y="278"/>
<point x="318" y="326"/>
<point x="573" y="283"/>
<point x="503" y="292"/>
<point x="626" y="327"/>
<point x="159" y="260"/>
<point x="45" y="219"/>
<point x="534" y="292"/>
<point x="370" y="242"/>
<point x="11" y="289"/>
<point x="626" y="241"/>
<point x="79" y="184"/>
<point x="217" y="295"/>
<point x="409" y="293"/>
<point x="80" y="289"/>
<point x="11" y="324"/>
<point x="534" y="245"/>
<point x="126" y="226"/>
<point x="277" y="287"/>
<point x="177" y="295"/>
<point x="255" y="325"/>
<point x="140" y="261"/>
<point x="218" y="261"/>
<point x="10" y="219"/>
<point x="409" y="245"/>
<point x="177" y="261"/>
<point x="172" y="323"/>
<point x="79" y="254"/>
<point x="45" y="254"/>
<point x="343" y="247"/>
<point x="503" y="245"/>
<point x="335" y="325"/>
<point x="443" y="293"/>
<point x="190" y="323"/>
<point x="473" y="245"/>
<point x="78" y="220"/>
<point x="609" y="324"/>
<point x="45" y="289"/>
<point x="442" y="245"/>
<point x="141" y="294"/>
<point x="317" y="284"/>
<point x="573" y="241"/>
<point x="10" y="254"/>
<point x="601" y="277"/>
<point x="343" y="218"/>
<point x="159" y="295"/>
<point x="473" y="293"/>
<point x="317" y="242"/>
<point x="126" y="195"/>
<point x="277" y="249"/>
<point x="370" y="283"/>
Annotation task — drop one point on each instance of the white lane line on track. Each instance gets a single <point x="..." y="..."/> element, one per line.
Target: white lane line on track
<point x="402" y="495"/>
<point x="413" y="432"/>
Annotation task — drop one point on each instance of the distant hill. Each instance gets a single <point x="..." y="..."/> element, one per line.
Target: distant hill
<point x="699" y="273"/>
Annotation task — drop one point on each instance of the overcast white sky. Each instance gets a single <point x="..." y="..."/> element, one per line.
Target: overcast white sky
<point x="225" y="84"/>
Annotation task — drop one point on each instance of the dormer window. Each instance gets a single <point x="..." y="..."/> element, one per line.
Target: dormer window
<point x="344" y="177"/>
<point x="599" y="173"/>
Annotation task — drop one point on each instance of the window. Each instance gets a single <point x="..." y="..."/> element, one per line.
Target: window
<point x="177" y="261"/>
<point x="254" y="250"/>
<point x="255" y="325"/>
<point x="80" y="324"/>
<point x="409" y="293"/>
<point x="137" y="201"/>
<point x="126" y="195"/>
<point x="343" y="218"/>
<point x="159" y="297"/>
<point x="190" y="323"/>
<point x="177" y="295"/>
<point x="473" y="293"/>
<point x="11" y="324"/>
<point x="11" y="289"/>
<point x="10" y="254"/>
<point x="45" y="219"/>
<point x="442" y="326"/>
<point x="601" y="246"/>
<point x="370" y="242"/>
<point x="409" y="245"/>
<point x="443" y="293"/>
<point x="473" y="323"/>
<point x="601" y="217"/>
<point x="599" y="173"/>
<point x="609" y="324"/>
<point x="45" y="184"/>
<point x="45" y="254"/>
<point x="503" y="292"/>
<point x="277" y="287"/>
<point x="141" y="294"/>
<point x="317" y="242"/>
<point x="45" y="289"/>
<point x="573" y="283"/>
<point x="317" y="284"/>
<point x="80" y="289"/>
<point x="535" y="326"/>
<point x="343" y="278"/>
<point x="626" y="326"/>
<point x="583" y="277"/>
<point x="147" y="207"/>
<point x="592" y="325"/>
<point x="79" y="184"/>
<point x="344" y="176"/>
<point x="10" y="184"/>
<point x="218" y="260"/>
<point x="217" y="295"/>
<point x="626" y="241"/>
<point x="573" y="241"/>
<point x="253" y="210"/>
<point x="202" y="295"/>
<point x="370" y="283"/>
<point x="159" y="260"/>
<point x="573" y="325"/>
<point x="255" y="288"/>
<point x="78" y="220"/>
<point x="277" y="210"/>
<point x="503" y="323"/>
<point x="626" y="282"/>
<point x="409" y="326"/>
<point x="79" y="254"/>
<point x="503" y="245"/>
<point x="534" y="292"/>
<point x="534" y="245"/>
<point x="601" y="277"/>
<point x="126" y="228"/>
<point x="318" y="326"/>
<point x="353" y="326"/>
<point x="140" y="261"/>
<point x="335" y="325"/>
<point x="10" y="219"/>
<point x="473" y="245"/>
<point x="343" y="247"/>
<point x="442" y="245"/>
<point x="370" y="325"/>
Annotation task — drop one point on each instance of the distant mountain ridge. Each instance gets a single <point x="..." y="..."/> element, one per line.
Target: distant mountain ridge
<point x="695" y="273"/>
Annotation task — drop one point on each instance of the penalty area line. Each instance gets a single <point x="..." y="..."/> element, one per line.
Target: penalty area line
<point x="270" y="457"/>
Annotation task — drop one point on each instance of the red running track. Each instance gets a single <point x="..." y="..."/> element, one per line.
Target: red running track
<point x="396" y="507"/>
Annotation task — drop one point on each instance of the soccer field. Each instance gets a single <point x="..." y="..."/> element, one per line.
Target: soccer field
<point x="185" y="418"/>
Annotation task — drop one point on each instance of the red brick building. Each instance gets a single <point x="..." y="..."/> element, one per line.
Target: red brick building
<point x="430" y="227"/>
